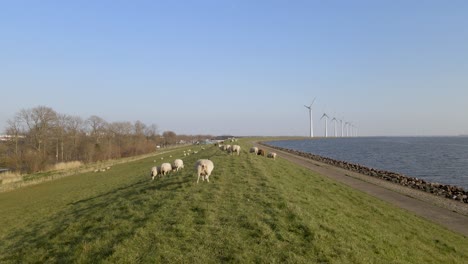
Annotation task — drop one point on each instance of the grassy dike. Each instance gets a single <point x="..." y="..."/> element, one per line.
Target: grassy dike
<point x="253" y="210"/>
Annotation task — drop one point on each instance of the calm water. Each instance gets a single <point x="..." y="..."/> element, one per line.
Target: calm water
<point x="435" y="159"/>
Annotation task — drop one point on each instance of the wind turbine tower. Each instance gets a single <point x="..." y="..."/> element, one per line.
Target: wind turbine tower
<point x="341" y="121"/>
<point x="310" y="117"/>
<point x="326" y="123"/>
<point x="334" y="120"/>
<point x="346" y="127"/>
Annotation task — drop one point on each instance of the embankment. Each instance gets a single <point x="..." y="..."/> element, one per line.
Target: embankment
<point x="443" y="190"/>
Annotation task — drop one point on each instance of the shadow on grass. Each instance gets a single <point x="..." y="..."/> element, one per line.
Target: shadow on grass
<point x="88" y="229"/>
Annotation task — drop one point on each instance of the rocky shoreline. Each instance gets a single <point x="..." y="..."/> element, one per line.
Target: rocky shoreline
<point x="448" y="191"/>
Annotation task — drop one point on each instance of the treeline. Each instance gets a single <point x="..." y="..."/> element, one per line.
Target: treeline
<point x="40" y="137"/>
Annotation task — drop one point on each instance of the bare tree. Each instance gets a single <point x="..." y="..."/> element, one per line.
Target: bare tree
<point x="39" y="121"/>
<point x="97" y="126"/>
<point x="151" y="131"/>
<point x="75" y="128"/>
<point x="170" y="137"/>
<point x="16" y="130"/>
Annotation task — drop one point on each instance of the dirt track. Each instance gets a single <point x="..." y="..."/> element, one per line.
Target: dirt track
<point x="450" y="214"/>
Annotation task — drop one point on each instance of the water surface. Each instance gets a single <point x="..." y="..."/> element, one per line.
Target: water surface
<point x="435" y="159"/>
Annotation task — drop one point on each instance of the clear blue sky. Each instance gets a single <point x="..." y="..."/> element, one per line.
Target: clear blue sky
<point x="240" y="67"/>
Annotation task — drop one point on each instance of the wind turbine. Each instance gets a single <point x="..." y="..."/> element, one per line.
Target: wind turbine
<point x="341" y="121"/>
<point x="326" y="123"/>
<point x="347" y="128"/>
<point x="334" y="119"/>
<point x="310" y="117"/>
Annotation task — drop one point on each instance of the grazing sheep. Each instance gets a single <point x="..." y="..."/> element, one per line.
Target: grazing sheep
<point x="108" y="168"/>
<point x="228" y="148"/>
<point x="236" y="148"/>
<point x="261" y="152"/>
<point x="154" y="172"/>
<point x="178" y="164"/>
<point x="165" y="168"/>
<point x="254" y="150"/>
<point x="204" y="167"/>
<point x="272" y="155"/>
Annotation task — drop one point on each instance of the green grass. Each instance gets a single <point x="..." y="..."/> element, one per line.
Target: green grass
<point x="253" y="210"/>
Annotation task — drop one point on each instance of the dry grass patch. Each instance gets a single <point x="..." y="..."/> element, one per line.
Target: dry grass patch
<point x="67" y="165"/>
<point x="9" y="177"/>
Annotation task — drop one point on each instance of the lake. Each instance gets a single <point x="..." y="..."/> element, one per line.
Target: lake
<point x="435" y="159"/>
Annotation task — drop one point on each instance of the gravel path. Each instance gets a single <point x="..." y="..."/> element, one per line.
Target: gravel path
<point x="451" y="214"/>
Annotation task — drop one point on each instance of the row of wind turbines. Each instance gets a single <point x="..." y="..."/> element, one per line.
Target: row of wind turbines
<point x="348" y="127"/>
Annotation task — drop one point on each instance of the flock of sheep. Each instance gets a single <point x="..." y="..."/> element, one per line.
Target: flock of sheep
<point x="262" y="152"/>
<point x="203" y="167"/>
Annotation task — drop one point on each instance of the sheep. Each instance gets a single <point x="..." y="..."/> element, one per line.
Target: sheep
<point x="204" y="167"/>
<point x="261" y="152"/>
<point x="178" y="164"/>
<point x="254" y="150"/>
<point x="272" y="155"/>
<point x="228" y="148"/>
<point x="236" y="148"/>
<point x="154" y="172"/>
<point x="165" y="168"/>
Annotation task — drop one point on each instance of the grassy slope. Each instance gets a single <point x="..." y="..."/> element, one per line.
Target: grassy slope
<point x="254" y="209"/>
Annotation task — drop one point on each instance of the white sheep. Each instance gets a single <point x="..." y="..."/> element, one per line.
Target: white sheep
<point x="272" y="155"/>
<point x="236" y="148"/>
<point x="254" y="150"/>
<point x="165" y="168"/>
<point x="228" y="148"/>
<point x="154" y="172"/>
<point x="204" y="167"/>
<point x="178" y="164"/>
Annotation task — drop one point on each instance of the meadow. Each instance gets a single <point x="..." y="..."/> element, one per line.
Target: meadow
<point x="253" y="209"/>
